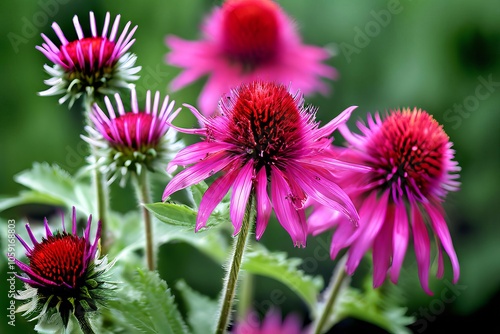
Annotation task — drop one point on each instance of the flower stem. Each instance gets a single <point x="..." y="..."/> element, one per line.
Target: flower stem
<point x="231" y="278"/>
<point x="101" y="192"/>
<point x="144" y="196"/>
<point x="245" y="294"/>
<point x="336" y="281"/>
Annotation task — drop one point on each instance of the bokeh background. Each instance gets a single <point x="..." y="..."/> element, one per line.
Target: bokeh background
<point x="441" y="56"/>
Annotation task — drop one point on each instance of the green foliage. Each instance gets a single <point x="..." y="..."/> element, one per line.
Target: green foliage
<point x="50" y="184"/>
<point x="182" y="215"/>
<point x="377" y="306"/>
<point x="201" y="310"/>
<point x="278" y="266"/>
<point x="148" y="306"/>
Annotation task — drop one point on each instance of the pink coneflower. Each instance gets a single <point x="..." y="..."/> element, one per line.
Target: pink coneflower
<point x="263" y="136"/>
<point x="89" y="64"/>
<point x="132" y="141"/>
<point x="64" y="274"/>
<point x="412" y="170"/>
<point x="243" y="41"/>
<point x="271" y="324"/>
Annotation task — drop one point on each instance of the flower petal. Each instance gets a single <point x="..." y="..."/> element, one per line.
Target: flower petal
<point x="264" y="206"/>
<point x="288" y="216"/>
<point x="422" y="247"/>
<point x="369" y="226"/>
<point x="399" y="240"/>
<point x="318" y="185"/>
<point x="239" y="197"/>
<point x="197" y="173"/>
<point x="382" y="247"/>
<point x="212" y="197"/>
<point x="440" y="227"/>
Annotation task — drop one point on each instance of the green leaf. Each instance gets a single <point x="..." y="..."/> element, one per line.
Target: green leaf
<point x="196" y="193"/>
<point x="283" y="269"/>
<point x="28" y="197"/>
<point x="202" y="311"/>
<point x="148" y="306"/>
<point x="173" y="214"/>
<point x="377" y="306"/>
<point x="51" y="185"/>
<point x="182" y="215"/>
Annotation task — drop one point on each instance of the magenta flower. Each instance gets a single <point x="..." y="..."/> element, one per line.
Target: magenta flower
<point x="244" y="41"/>
<point x="64" y="274"/>
<point x="271" y="324"/>
<point x="263" y="136"/>
<point x="89" y="64"/>
<point x="412" y="170"/>
<point x="132" y="141"/>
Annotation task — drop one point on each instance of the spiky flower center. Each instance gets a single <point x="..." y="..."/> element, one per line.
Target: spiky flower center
<point x="265" y="123"/>
<point x="89" y="59"/>
<point x="60" y="259"/>
<point x="250" y="31"/>
<point x="408" y="152"/>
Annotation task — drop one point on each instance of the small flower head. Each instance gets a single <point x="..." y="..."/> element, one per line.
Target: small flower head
<point x="263" y="139"/>
<point x="131" y="141"/>
<point x="412" y="169"/>
<point x="65" y="275"/>
<point x="89" y="65"/>
<point x="244" y="41"/>
<point x="271" y="324"/>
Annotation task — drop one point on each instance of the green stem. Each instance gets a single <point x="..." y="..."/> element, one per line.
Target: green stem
<point x="336" y="281"/>
<point x="231" y="278"/>
<point x="144" y="197"/>
<point x="101" y="192"/>
<point x="245" y="294"/>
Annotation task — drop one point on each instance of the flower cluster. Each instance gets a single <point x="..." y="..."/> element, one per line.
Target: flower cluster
<point x="262" y="150"/>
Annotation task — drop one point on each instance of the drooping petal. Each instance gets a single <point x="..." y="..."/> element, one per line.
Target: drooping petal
<point x="286" y="213"/>
<point x="382" y="250"/>
<point x="399" y="240"/>
<point x="318" y="185"/>
<point x="239" y="197"/>
<point x="369" y="226"/>
<point x="264" y="206"/>
<point x="197" y="173"/>
<point x="441" y="229"/>
<point x="213" y="196"/>
<point x="422" y="247"/>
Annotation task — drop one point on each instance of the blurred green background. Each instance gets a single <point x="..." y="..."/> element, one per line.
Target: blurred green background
<point x="441" y="56"/>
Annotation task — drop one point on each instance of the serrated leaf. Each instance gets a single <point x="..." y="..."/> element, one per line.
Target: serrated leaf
<point x="182" y="215"/>
<point x="202" y="311"/>
<point x="376" y="306"/>
<point x="149" y="306"/>
<point x="285" y="270"/>
<point x="369" y="306"/>
<point x="51" y="184"/>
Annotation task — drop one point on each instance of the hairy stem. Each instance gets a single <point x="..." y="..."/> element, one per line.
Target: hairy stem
<point x="231" y="278"/>
<point x="336" y="281"/>
<point x="144" y="197"/>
